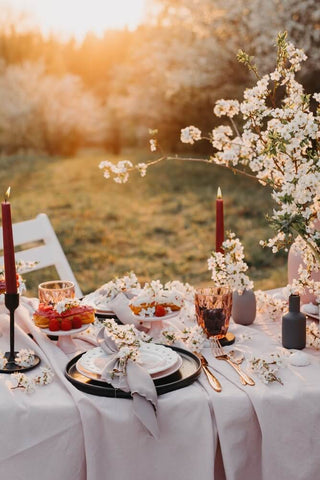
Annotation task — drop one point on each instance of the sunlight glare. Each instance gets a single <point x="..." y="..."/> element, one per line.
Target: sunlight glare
<point x="77" y="17"/>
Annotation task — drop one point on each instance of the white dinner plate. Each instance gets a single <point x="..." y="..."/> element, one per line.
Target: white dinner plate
<point x="98" y="303"/>
<point x="306" y="311"/>
<point x="157" y="359"/>
<point x="155" y="376"/>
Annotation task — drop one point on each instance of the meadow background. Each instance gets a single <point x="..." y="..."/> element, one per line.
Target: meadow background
<point x="66" y="104"/>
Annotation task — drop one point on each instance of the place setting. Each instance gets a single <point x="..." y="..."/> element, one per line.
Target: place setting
<point x="170" y="367"/>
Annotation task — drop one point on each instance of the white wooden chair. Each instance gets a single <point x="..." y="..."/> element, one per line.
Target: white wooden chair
<point x="49" y="253"/>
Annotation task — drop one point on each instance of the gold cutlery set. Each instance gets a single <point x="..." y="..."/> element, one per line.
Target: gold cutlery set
<point x="220" y="354"/>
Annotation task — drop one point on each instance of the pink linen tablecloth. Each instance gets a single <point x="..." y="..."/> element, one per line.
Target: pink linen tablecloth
<point x="268" y="431"/>
<point x="265" y="432"/>
<point x="41" y="433"/>
<point x="110" y="443"/>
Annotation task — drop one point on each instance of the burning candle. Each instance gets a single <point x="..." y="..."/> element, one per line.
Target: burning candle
<point x="8" y="246"/>
<point x="219" y="222"/>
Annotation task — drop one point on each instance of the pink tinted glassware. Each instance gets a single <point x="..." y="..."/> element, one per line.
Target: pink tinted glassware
<point x="50" y="293"/>
<point x="213" y="310"/>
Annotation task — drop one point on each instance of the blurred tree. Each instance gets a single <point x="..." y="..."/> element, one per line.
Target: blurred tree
<point x="251" y="25"/>
<point x="39" y="111"/>
<point x="166" y="74"/>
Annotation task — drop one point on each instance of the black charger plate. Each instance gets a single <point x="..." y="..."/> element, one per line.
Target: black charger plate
<point x="187" y="374"/>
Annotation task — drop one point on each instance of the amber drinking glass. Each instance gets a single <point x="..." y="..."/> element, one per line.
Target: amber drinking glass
<point x="50" y="293"/>
<point x="213" y="310"/>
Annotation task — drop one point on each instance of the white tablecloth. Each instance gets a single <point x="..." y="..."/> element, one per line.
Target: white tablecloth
<point x="265" y="432"/>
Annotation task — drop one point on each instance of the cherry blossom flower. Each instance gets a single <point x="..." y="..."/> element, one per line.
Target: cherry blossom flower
<point x="228" y="268"/>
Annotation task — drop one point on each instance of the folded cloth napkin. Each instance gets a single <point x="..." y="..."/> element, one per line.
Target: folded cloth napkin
<point x="137" y="381"/>
<point x="120" y="306"/>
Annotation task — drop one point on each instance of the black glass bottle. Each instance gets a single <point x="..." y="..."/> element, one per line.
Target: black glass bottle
<point x="294" y="325"/>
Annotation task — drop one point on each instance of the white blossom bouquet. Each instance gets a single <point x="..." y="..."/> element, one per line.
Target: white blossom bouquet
<point x="228" y="268"/>
<point x="278" y="144"/>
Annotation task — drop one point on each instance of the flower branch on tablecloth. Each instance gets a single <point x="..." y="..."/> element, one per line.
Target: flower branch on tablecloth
<point x="23" y="382"/>
<point x="267" y="367"/>
<point x="25" y="357"/>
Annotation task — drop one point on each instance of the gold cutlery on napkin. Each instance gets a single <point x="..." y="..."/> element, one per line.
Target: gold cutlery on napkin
<point x="220" y="354"/>
<point x="213" y="381"/>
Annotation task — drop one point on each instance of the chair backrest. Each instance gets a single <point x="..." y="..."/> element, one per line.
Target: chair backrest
<point x="49" y="253"/>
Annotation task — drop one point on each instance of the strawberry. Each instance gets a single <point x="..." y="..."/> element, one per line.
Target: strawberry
<point x="160" y="311"/>
<point x="66" y="324"/>
<point x="76" y="322"/>
<point x="43" y="307"/>
<point x="54" y="324"/>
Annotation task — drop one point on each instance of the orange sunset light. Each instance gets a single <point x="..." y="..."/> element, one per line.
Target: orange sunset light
<point x="77" y="17"/>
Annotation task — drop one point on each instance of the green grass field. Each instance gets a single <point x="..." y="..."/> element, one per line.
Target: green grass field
<point x="161" y="226"/>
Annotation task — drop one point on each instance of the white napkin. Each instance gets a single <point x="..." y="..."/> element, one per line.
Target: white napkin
<point x="120" y="306"/>
<point x="137" y="381"/>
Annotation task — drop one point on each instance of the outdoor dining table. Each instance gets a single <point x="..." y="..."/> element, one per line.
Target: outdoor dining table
<point x="266" y="431"/>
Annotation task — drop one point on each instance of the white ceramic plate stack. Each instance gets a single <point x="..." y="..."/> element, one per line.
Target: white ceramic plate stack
<point x="98" y="302"/>
<point x="160" y="361"/>
<point x="311" y="310"/>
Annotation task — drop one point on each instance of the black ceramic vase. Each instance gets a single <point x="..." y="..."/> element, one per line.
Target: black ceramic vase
<point x="294" y="325"/>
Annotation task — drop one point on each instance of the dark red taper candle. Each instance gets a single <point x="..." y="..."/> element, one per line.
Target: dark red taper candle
<point x="219" y="222"/>
<point x="8" y="246"/>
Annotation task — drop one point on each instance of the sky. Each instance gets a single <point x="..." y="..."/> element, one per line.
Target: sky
<point x="77" y="17"/>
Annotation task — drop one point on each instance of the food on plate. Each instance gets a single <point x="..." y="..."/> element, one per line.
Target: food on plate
<point x="66" y="315"/>
<point x="156" y="300"/>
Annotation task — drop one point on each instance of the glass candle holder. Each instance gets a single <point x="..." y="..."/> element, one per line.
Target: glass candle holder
<point x="213" y="310"/>
<point x="50" y="293"/>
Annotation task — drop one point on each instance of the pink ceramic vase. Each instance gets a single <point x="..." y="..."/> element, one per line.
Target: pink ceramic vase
<point x="294" y="261"/>
<point x="244" y="307"/>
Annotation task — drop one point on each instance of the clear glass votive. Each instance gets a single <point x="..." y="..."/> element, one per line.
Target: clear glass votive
<point x="213" y="310"/>
<point x="52" y="292"/>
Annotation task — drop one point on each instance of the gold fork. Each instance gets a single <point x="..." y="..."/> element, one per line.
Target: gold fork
<point x="213" y="381"/>
<point x="220" y="354"/>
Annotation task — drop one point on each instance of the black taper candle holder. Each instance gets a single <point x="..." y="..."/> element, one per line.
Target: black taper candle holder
<point x="11" y="301"/>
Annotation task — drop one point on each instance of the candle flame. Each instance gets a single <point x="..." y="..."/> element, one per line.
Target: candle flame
<point x="219" y="193"/>
<point x="7" y="195"/>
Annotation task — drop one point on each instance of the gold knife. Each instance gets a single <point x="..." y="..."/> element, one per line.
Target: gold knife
<point x="213" y="381"/>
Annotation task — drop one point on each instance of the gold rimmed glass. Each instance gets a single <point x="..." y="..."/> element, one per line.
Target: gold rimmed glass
<point x="213" y="310"/>
<point x="52" y="292"/>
